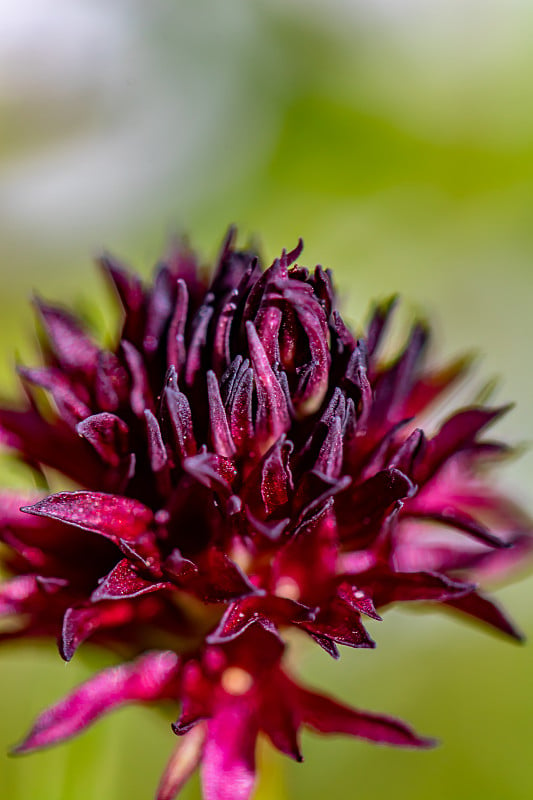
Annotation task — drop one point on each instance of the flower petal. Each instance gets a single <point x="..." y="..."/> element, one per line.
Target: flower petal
<point x="144" y="680"/>
<point x="112" y="516"/>
<point x="228" y="764"/>
<point x="124" y="582"/>
<point x="108" y="434"/>
<point x="327" y="716"/>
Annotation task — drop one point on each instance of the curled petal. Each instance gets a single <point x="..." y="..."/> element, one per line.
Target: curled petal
<point x="124" y="582"/>
<point x="72" y="346"/>
<point x="80" y="623"/>
<point x="108" y="434"/>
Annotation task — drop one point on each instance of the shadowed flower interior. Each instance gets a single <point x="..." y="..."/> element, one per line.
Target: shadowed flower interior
<point x="246" y="466"/>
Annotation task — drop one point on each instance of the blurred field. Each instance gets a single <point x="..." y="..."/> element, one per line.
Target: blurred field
<point x="397" y="139"/>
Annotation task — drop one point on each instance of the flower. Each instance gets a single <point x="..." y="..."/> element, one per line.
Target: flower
<point x="247" y="467"/>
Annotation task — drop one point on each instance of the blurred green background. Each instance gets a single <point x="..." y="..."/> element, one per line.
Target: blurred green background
<point x="396" y="137"/>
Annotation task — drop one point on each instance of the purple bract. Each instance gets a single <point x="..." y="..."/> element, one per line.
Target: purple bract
<point x="245" y="466"/>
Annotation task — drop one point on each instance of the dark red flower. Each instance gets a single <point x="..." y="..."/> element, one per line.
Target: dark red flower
<point x="245" y="465"/>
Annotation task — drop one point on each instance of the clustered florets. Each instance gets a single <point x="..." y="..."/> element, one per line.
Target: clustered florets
<point x="246" y="466"/>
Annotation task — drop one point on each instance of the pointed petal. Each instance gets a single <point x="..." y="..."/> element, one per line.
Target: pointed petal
<point x="108" y="434"/>
<point x="143" y="680"/>
<point x="71" y="408"/>
<point x="112" y="516"/>
<point x="327" y="716"/>
<point x="179" y="412"/>
<point x="176" y="350"/>
<point x="390" y="587"/>
<point x="456" y="434"/>
<point x="140" y="394"/>
<point x="485" y="610"/>
<point x="456" y="518"/>
<point x="156" y="447"/>
<point x="80" y="623"/>
<point x="273" y="417"/>
<point x="223" y="443"/>
<point x="213" y="471"/>
<point x="159" y="309"/>
<point x="124" y="582"/>
<point x="111" y="381"/>
<point x="73" y="347"/>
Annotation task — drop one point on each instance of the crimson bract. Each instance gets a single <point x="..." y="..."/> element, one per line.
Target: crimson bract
<point x="246" y="467"/>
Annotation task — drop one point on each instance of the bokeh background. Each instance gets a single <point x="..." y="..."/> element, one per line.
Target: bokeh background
<point x="396" y="137"/>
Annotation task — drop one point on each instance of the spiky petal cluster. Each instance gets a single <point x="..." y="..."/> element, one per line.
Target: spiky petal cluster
<point x="246" y="466"/>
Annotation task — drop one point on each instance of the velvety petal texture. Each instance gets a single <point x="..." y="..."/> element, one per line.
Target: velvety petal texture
<point x="239" y="466"/>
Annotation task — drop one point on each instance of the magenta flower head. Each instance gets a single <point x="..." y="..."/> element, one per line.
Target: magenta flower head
<point x="246" y="467"/>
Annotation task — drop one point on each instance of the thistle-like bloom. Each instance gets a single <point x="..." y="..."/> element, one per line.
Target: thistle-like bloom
<point x="246" y="468"/>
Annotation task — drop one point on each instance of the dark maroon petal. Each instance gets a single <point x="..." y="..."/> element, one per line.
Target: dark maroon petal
<point x="80" y="623"/>
<point x="357" y="600"/>
<point x="108" y="434"/>
<point x="179" y="412"/>
<point x="16" y="592"/>
<point x="131" y="294"/>
<point x="363" y="509"/>
<point x="70" y="406"/>
<point x="140" y="394"/>
<point x="240" y="408"/>
<point x="196" y="698"/>
<point x="485" y="610"/>
<point x="111" y="382"/>
<point x="272" y="418"/>
<point x="340" y="623"/>
<point x="280" y="721"/>
<point x="314" y="375"/>
<point x="433" y="383"/>
<point x="240" y="615"/>
<point x="74" y="349"/>
<point x="159" y="308"/>
<point x="408" y="452"/>
<point x="176" y="350"/>
<point x="144" y="680"/>
<point x="394" y="385"/>
<point x="198" y="340"/>
<point x="220" y="579"/>
<point x="327" y="644"/>
<point x="457" y="433"/>
<point x="276" y="477"/>
<point x="456" y="519"/>
<point x="156" y="447"/>
<point x="380" y="319"/>
<point x="388" y="587"/>
<point x="124" y="582"/>
<point x="327" y="716"/>
<point x="110" y="515"/>
<point x="228" y="764"/>
<point x="211" y="470"/>
<point x="223" y="443"/>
